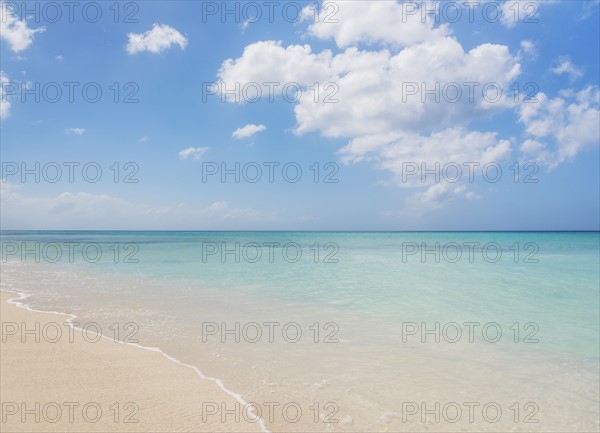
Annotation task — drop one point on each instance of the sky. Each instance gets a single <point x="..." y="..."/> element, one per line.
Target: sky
<point x="379" y="115"/>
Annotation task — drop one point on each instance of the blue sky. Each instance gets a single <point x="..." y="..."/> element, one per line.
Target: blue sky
<point x="374" y="60"/>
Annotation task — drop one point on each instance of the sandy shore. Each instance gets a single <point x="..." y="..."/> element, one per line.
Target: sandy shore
<point x="74" y="384"/>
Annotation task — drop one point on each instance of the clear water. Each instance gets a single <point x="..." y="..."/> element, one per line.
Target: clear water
<point x="369" y="295"/>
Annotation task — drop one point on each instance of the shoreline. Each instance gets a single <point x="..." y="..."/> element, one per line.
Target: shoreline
<point x="7" y="298"/>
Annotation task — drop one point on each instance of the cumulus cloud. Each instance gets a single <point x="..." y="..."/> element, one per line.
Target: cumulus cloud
<point x="15" y="32"/>
<point x="373" y="87"/>
<point x="378" y="96"/>
<point x="564" y="66"/>
<point x="561" y="127"/>
<point x="269" y="60"/>
<point x="388" y="22"/>
<point x="156" y="40"/>
<point x="248" y="131"/>
<point x="453" y="154"/>
<point x="76" y="131"/>
<point x="4" y="102"/>
<point x="394" y="151"/>
<point x="193" y="152"/>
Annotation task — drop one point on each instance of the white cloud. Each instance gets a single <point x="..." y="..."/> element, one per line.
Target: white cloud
<point x="370" y="87"/>
<point x="194" y="152"/>
<point x="372" y="84"/>
<point x="59" y="58"/>
<point x="158" y="39"/>
<point x="440" y="195"/>
<point x="269" y="61"/>
<point x="83" y="210"/>
<point x="562" y="127"/>
<point x="386" y="22"/>
<point x="4" y="102"/>
<point x="408" y="156"/>
<point x="76" y="131"/>
<point x="566" y="67"/>
<point x="64" y="209"/>
<point x="248" y="131"/>
<point x="16" y="32"/>
<point x="369" y="84"/>
<point x="528" y="48"/>
<point x="144" y="139"/>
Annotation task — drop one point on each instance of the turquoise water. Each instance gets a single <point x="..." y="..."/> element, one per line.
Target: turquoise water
<point x="542" y="292"/>
<point x="554" y="278"/>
